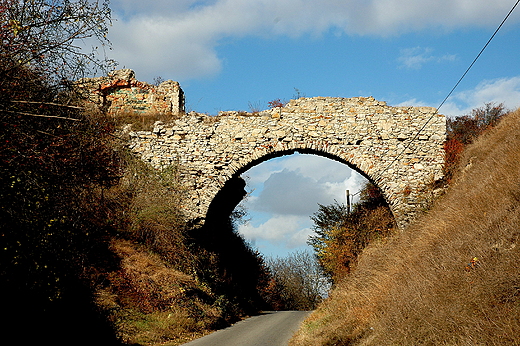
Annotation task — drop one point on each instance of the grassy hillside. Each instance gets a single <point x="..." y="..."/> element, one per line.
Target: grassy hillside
<point x="452" y="278"/>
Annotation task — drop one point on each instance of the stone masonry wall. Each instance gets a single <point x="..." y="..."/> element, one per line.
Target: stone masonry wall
<point x="120" y="92"/>
<point x="362" y="132"/>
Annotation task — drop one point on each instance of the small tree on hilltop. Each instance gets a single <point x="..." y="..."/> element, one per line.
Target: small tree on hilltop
<point x="276" y="104"/>
<point x="463" y="130"/>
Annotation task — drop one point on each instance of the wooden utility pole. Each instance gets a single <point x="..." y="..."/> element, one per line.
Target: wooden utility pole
<point x="348" y="202"/>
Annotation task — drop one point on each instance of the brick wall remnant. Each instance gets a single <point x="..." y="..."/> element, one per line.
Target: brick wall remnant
<point x="121" y="92"/>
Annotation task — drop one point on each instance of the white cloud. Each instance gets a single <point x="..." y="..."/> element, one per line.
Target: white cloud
<point x="281" y="231"/>
<point x="306" y="164"/>
<point x="290" y="192"/>
<point x="415" y="58"/>
<point x="295" y="184"/>
<point x="180" y="37"/>
<point x="329" y="170"/>
<point x="282" y="206"/>
<point x="501" y="90"/>
<point x="279" y="228"/>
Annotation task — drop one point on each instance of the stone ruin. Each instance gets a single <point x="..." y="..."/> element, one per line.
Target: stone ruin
<point x="120" y="92"/>
<point x="398" y="148"/>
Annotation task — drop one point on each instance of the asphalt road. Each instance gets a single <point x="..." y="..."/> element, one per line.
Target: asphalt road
<point x="272" y="328"/>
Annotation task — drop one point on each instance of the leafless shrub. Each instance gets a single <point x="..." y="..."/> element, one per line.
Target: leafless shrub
<point x="300" y="279"/>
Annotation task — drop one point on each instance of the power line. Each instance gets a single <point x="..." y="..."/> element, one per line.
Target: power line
<point x="478" y="56"/>
<point x="452" y="89"/>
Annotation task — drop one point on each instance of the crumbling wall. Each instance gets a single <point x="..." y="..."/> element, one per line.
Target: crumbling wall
<point x="399" y="148"/>
<point x="120" y="92"/>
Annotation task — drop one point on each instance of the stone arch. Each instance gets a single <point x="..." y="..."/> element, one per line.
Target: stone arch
<point x="400" y="149"/>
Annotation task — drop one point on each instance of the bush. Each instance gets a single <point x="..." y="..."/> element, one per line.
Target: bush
<point x="299" y="281"/>
<point x="341" y="237"/>
<point x="463" y="130"/>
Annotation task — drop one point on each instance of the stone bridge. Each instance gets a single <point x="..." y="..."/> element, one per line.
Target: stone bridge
<point x="383" y="143"/>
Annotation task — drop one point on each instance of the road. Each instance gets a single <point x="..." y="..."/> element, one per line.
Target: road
<point x="272" y="328"/>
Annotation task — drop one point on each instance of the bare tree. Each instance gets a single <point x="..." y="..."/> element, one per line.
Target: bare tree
<point x="300" y="279"/>
<point x="45" y="37"/>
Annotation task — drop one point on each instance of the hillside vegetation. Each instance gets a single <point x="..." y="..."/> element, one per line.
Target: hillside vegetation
<point x="94" y="248"/>
<point x="451" y="278"/>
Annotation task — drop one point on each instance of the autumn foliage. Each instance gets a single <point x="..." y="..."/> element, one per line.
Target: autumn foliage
<point x="277" y="103"/>
<point x="341" y="236"/>
<point x="463" y="130"/>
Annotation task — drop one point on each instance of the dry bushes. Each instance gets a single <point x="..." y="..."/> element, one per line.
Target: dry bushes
<point x="297" y="281"/>
<point x="172" y="283"/>
<point x="149" y="292"/>
<point x="420" y="288"/>
<point x="150" y="302"/>
<point x="340" y="236"/>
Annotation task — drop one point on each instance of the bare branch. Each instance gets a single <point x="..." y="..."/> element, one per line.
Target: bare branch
<point x="41" y="115"/>
<point x="47" y="104"/>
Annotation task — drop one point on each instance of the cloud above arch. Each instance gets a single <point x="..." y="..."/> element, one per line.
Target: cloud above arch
<point x="182" y="36"/>
<point x="500" y="90"/>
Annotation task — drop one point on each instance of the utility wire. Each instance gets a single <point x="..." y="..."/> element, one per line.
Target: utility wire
<point x="478" y="56"/>
<point x="452" y="89"/>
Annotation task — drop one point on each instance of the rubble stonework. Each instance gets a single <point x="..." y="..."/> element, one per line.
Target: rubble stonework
<point x="381" y="142"/>
<point x="121" y="92"/>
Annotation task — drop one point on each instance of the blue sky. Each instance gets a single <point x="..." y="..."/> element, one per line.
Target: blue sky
<point x="230" y="54"/>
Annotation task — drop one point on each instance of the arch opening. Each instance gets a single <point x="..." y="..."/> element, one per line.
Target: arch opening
<point x="284" y="190"/>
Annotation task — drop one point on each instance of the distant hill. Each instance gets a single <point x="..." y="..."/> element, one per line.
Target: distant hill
<point x="452" y="278"/>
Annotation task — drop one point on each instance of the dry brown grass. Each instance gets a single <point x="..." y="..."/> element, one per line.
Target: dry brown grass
<point x="150" y="294"/>
<point x="162" y="284"/>
<point x="151" y="303"/>
<point x="142" y="121"/>
<point x="417" y="287"/>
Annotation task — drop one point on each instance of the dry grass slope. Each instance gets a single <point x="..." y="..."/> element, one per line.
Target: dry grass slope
<point x="419" y="287"/>
<point x="152" y="303"/>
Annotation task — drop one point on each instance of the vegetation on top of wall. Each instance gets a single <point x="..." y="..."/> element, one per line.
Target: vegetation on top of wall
<point x="135" y="121"/>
